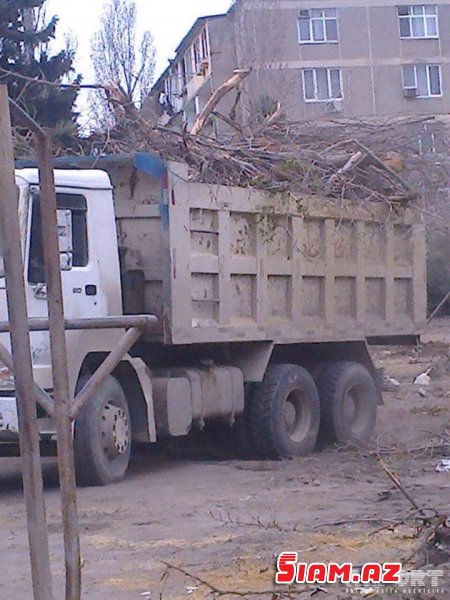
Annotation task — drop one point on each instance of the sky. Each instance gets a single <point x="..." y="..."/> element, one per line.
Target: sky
<point x="169" y="21"/>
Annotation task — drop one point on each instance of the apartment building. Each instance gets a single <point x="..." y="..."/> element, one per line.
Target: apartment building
<point x="204" y="58"/>
<point x="355" y="58"/>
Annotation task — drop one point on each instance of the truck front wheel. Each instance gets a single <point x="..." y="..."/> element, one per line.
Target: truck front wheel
<point x="102" y="440"/>
<point x="284" y="413"/>
<point x="348" y="403"/>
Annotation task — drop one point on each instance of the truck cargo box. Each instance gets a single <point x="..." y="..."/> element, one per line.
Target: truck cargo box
<point x="223" y="264"/>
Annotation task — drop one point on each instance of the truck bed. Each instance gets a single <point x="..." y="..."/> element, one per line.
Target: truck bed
<point x="222" y="264"/>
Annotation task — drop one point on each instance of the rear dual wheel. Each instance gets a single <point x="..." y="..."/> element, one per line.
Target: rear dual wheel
<point x="348" y="403"/>
<point x="284" y="413"/>
<point x="287" y="412"/>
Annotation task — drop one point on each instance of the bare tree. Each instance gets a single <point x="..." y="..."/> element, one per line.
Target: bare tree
<point x="121" y="57"/>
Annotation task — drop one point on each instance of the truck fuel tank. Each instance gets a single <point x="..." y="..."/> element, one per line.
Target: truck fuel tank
<point x="183" y="396"/>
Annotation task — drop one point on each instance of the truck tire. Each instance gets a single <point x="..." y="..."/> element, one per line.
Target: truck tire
<point x="102" y="436"/>
<point x="284" y="413"/>
<point x="348" y="403"/>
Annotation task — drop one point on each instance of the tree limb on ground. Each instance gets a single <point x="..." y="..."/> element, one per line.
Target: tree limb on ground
<point x="218" y="592"/>
<point x="432" y="525"/>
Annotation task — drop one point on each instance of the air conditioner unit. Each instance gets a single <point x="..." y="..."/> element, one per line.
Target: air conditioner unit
<point x="333" y="106"/>
<point x="410" y="92"/>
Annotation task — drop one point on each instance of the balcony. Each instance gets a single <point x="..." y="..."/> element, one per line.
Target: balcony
<point x="198" y="80"/>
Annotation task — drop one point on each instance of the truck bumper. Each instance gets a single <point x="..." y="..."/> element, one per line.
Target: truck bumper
<point x="9" y="420"/>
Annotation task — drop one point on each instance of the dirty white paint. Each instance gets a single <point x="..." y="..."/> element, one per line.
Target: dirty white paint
<point x="102" y="271"/>
<point x="8" y="415"/>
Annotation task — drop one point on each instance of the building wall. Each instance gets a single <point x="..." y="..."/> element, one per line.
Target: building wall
<point x="370" y="53"/>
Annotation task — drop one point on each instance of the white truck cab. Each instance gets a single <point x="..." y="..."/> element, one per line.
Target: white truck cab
<point x="90" y="276"/>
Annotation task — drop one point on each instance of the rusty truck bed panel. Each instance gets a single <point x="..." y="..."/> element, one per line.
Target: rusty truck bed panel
<point x="223" y="264"/>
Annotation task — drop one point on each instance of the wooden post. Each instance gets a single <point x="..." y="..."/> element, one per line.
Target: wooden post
<point x="23" y="372"/>
<point x="58" y="349"/>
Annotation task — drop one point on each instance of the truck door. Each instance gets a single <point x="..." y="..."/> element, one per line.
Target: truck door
<point x="79" y="267"/>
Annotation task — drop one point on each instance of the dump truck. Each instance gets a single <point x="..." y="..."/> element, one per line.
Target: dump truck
<point x="266" y="307"/>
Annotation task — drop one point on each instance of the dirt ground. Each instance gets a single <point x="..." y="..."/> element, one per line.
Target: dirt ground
<point x="225" y="520"/>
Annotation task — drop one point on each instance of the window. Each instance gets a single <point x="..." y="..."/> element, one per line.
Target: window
<point x="318" y="26"/>
<point x="321" y="85"/>
<point x="418" y="21"/>
<point x="174" y="88"/>
<point x="181" y="77"/>
<point x="196" y="56"/>
<point x="77" y="207"/>
<point x="200" y="53"/>
<point x="205" y="43"/>
<point x="425" y="79"/>
<point x="186" y="68"/>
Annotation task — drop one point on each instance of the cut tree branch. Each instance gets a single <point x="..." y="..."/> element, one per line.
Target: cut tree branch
<point x="412" y="195"/>
<point x="220" y="592"/>
<point x="231" y="84"/>
<point x="352" y="162"/>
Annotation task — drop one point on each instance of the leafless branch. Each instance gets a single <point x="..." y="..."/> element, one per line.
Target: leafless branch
<point x="54" y="84"/>
<point x="220" y="592"/>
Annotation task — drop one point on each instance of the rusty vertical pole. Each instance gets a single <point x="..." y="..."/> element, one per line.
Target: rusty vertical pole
<point x="61" y="389"/>
<point x="23" y="374"/>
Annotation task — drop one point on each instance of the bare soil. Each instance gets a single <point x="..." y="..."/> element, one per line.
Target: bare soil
<point x="225" y="519"/>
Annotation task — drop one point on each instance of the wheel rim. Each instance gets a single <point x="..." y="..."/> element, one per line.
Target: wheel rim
<point x="354" y="409"/>
<point x="296" y="416"/>
<point x="115" y="431"/>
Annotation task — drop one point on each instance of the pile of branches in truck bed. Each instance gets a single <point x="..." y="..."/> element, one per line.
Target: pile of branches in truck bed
<point x="302" y="159"/>
<point x="341" y="159"/>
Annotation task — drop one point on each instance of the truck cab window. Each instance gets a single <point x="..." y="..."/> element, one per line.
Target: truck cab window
<point x="77" y="206"/>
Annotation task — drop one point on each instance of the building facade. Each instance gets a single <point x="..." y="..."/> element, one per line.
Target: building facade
<point x="356" y="58"/>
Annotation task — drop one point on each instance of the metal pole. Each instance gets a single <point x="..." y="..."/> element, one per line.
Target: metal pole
<point x="147" y="323"/>
<point x="105" y="369"/>
<point x="20" y="342"/>
<point x="59" y="368"/>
